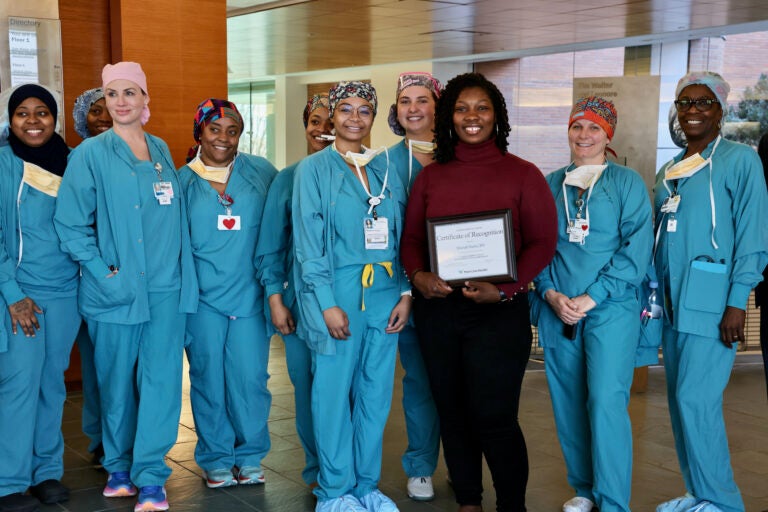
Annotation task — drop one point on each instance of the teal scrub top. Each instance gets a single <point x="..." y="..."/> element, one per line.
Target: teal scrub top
<point x="615" y="255"/>
<point x="698" y="280"/>
<point x="224" y="259"/>
<point x="100" y="219"/>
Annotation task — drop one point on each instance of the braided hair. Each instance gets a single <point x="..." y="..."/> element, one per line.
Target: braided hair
<point x="445" y="133"/>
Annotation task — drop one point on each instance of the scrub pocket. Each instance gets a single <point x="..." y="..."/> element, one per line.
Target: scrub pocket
<point x="707" y="287"/>
<point x="104" y="294"/>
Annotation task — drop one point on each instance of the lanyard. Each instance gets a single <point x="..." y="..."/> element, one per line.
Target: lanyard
<point x="373" y="201"/>
<point x="580" y="203"/>
<point x="711" y="193"/>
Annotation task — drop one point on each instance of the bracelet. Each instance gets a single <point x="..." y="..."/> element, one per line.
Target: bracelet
<point x="413" y="274"/>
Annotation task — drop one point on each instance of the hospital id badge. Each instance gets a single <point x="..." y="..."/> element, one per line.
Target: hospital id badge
<point x="376" y="233"/>
<point x="578" y="230"/>
<point x="228" y="223"/>
<point x="671" y="204"/>
<point x="163" y="192"/>
<point x="671" y="225"/>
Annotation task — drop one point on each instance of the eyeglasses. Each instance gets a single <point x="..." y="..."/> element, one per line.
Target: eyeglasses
<point x="363" y="111"/>
<point x="702" y="104"/>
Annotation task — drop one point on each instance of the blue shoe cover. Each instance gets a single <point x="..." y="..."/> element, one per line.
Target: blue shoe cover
<point x="376" y="501"/>
<point x="346" y="503"/>
<point x="681" y="504"/>
<point x="704" y="506"/>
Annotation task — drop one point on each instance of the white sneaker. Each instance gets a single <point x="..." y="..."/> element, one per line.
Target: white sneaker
<point x="578" y="504"/>
<point x="420" y="488"/>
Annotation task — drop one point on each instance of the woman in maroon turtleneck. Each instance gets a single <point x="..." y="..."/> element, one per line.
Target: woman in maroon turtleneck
<point x="476" y="340"/>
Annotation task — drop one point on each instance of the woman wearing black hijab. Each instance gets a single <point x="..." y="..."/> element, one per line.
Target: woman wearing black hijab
<point x="38" y="286"/>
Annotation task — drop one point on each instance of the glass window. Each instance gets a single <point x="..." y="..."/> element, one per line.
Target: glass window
<point x="256" y="103"/>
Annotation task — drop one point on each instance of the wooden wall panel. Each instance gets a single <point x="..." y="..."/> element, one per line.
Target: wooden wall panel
<point x="85" y="49"/>
<point x="182" y="47"/>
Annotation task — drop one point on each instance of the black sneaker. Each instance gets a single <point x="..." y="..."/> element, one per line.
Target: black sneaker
<point x="97" y="454"/>
<point x="50" y="492"/>
<point x="18" y="502"/>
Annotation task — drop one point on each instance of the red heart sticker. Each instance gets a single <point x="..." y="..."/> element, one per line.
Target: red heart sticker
<point x="583" y="227"/>
<point x="228" y="223"/>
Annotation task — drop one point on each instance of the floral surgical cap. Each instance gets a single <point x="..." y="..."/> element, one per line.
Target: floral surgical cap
<point x="83" y="104"/>
<point x="343" y="90"/>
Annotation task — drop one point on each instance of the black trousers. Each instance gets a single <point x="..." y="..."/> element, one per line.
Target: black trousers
<point x="475" y="356"/>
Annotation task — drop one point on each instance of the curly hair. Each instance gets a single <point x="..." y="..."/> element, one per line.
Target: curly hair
<point x="445" y="134"/>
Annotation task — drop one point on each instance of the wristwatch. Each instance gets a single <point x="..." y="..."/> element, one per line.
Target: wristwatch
<point x="503" y="296"/>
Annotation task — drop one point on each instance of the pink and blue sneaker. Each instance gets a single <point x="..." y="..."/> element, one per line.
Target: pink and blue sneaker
<point x="218" y="478"/>
<point x="151" y="497"/>
<point x="119" y="485"/>
<point x="249" y="475"/>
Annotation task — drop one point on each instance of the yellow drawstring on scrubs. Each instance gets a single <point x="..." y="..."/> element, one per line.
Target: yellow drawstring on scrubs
<point x="367" y="278"/>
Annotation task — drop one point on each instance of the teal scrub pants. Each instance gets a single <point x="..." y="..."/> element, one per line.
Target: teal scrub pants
<point x="228" y="375"/>
<point x="298" y="359"/>
<point x="32" y="394"/>
<point x="139" y="372"/>
<point x="698" y="369"/>
<point x="91" y="401"/>
<point x="421" y="423"/>
<point x="360" y="375"/>
<point x="589" y="380"/>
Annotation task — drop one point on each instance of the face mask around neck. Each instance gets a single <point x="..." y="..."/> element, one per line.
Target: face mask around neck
<point x="686" y="168"/>
<point x="584" y="176"/>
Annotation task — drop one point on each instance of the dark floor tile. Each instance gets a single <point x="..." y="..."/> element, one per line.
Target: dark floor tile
<point x="656" y="473"/>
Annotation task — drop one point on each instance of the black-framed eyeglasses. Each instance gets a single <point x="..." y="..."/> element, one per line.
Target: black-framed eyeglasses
<point x="702" y="104"/>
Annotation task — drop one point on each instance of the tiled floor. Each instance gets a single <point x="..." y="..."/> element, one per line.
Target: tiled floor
<point x="656" y="475"/>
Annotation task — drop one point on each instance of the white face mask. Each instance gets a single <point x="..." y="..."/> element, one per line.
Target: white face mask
<point x="686" y="168"/>
<point x="215" y="174"/>
<point x="584" y="176"/>
<point x="359" y="159"/>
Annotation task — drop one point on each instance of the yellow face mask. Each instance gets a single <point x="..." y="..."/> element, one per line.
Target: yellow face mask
<point x="215" y="174"/>
<point x="419" y="146"/>
<point x="42" y="180"/>
<point x="686" y="168"/>
<point x="584" y="176"/>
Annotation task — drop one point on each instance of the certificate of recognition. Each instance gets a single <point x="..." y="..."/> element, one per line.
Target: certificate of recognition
<point x="478" y="246"/>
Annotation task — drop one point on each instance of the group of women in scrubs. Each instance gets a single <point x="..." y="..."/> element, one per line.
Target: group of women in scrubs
<point x="215" y="258"/>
